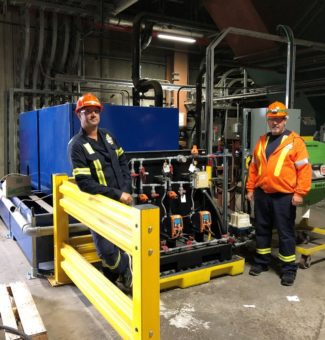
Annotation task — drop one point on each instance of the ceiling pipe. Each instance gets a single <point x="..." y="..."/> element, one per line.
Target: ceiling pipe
<point x="58" y="8"/>
<point x="65" y="44"/>
<point x="39" y="54"/>
<point x="77" y="46"/>
<point x="198" y="100"/>
<point x="25" y="57"/>
<point x="291" y="62"/>
<point x="121" y="5"/>
<point x="186" y="29"/>
<point x="140" y="42"/>
<point x="50" y="62"/>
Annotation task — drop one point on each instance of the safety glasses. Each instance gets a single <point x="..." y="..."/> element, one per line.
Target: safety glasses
<point x="276" y="120"/>
<point x="88" y="111"/>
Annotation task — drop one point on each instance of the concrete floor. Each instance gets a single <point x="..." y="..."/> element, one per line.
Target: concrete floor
<point x="230" y="307"/>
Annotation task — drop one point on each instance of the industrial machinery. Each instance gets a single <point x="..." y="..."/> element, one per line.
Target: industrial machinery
<point x="198" y="193"/>
<point x="43" y="138"/>
<point x="187" y="186"/>
<point x="316" y="152"/>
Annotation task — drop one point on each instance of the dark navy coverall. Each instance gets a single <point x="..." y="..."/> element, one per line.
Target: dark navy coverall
<point x="275" y="210"/>
<point x="100" y="167"/>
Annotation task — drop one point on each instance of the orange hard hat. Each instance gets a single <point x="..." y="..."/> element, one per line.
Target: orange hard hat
<point x="88" y="99"/>
<point x="276" y="109"/>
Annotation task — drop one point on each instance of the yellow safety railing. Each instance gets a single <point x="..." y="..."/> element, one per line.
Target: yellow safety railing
<point x="133" y="229"/>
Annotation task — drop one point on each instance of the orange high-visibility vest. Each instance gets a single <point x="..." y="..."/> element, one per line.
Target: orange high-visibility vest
<point x="287" y="170"/>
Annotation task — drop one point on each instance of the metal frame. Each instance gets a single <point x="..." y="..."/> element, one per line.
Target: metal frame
<point x="208" y="129"/>
<point x="312" y="247"/>
<point x="133" y="229"/>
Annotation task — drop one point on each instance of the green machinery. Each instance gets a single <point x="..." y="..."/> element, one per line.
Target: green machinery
<point x="316" y="152"/>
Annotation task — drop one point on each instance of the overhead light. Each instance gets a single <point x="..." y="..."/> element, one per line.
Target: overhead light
<point x="176" y="38"/>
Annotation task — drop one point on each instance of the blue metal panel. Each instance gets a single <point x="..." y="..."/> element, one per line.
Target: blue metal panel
<point x="142" y="128"/>
<point x="136" y="128"/>
<point x="36" y="249"/>
<point x="55" y="130"/>
<point x="28" y="143"/>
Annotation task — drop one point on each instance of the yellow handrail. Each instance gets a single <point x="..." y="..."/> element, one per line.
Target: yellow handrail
<point x="133" y="229"/>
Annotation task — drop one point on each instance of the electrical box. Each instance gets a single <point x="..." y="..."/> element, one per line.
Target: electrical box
<point x="240" y="220"/>
<point x="205" y="220"/>
<point x="176" y="225"/>
<point x="201" y="180"/>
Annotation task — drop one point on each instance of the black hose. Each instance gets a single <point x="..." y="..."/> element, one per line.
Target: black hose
<point x="16" y="332"/>
<point x="219" y="218"/>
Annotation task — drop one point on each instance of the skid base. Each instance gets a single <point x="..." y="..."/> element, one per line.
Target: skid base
<point x="194" y="277"/>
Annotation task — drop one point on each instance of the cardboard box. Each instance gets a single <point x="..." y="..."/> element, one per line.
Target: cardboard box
<point x="16" y="185"/>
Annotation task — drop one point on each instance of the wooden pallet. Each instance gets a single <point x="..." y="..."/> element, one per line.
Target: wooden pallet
<point x="18" y="311"/>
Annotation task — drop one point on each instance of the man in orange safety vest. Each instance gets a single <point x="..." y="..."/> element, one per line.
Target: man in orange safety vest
<point x="279" y="177"/>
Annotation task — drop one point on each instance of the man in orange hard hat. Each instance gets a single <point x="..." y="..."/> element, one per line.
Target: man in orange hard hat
<point x="100" y="167"/>
<point x="279" y="177"/>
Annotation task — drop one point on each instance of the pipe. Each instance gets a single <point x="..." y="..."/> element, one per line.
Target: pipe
<point x="49" y="230"/>
<point x="39" y="53"/>
<point x="244" y="154"/>
<point x="198" y="100"/>
<point x="121" y="5"/>
<point x="65" y="49"/>
<point x="216" y="209"/>
<point x="28" y="227"/>
<point x="52" y="54"/>
<point x="76" y="49"/>
<point x="142" y="85"/>
<point x="210" y="67"/>
<point x="25" y="57"/>
<point x="291" y="61"/>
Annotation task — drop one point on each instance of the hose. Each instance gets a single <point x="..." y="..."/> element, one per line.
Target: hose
<point x="16" y="332"/>
<point x="216" y="210"/>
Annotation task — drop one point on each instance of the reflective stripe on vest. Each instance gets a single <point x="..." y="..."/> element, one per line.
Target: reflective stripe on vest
<point x="259" y="159"/>
<point x="109" y="139"/>
<point x="81" y="171"/>
<point x="119" y="152"/>
<point x="89" y="148"/>
<point x="259" y="152"/>
<point x="282" y="157"/>
<point x="97" y="164"/>
<point x="99" y="172"/>
<point x="263" y="251"/>
<point x="290" y="258"/>
<point x="301" y="162"/>
<point x="115" y="265"/>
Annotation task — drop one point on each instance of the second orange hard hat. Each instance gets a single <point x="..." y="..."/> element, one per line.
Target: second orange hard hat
<point x="276" y="109"/>
<point x="88" y="99"/>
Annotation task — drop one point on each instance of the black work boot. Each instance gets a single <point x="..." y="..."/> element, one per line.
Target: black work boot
<point x="257" y="269"/>
<point x="113" y="277"/>
<point x="127" y="276"/>
<point x="288" y="278"/>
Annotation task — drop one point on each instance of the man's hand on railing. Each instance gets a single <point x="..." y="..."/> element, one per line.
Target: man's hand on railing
<point x="126" y="198"/>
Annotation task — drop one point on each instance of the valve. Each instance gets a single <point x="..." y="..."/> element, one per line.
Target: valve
<point x="134" y="174"/>
<point x="143" y="198"/>
<point x="172" y="195"/>
<point x="167" y="168"/>
<point x="142" y="172"/>
<point x="154" y="194"/>
<point x="181" y="190"/>
<point x="194" y="150"/>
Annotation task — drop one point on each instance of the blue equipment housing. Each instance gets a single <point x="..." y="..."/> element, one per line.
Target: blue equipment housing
<point x="43" y="138"/>
<point x="44" y="135"/>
